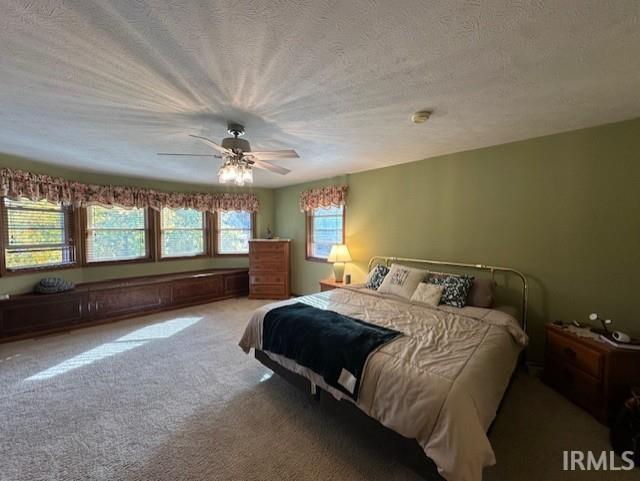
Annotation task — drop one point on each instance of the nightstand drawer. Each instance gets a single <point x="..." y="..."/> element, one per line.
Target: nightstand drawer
<point x="573" y="352"/>
<point x="580" y="387"/>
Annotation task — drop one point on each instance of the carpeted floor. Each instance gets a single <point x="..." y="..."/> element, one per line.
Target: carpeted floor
<point x="171" y="397"/>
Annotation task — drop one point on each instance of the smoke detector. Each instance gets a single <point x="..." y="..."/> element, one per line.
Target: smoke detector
<point x="421" y="116"/>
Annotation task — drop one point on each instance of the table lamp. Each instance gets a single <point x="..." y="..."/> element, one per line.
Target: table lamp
<point x="339" y="255"/>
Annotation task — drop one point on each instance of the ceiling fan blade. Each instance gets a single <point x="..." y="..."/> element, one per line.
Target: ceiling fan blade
<point x="219" y="148"/>
<point x="190" y="155"/>
<point x="274" y="154"/>
<point x="261" y="164"/>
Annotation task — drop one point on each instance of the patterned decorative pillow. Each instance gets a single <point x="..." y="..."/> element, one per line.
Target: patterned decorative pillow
<point x="51" y="285"/>
<point x="456" y="289"/>
<point x="376" y="276"/>
<point x="402" y="281"/>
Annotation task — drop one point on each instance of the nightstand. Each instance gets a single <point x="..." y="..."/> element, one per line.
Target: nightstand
<point x="591" y="373"/>
<point x="330" y="284"/>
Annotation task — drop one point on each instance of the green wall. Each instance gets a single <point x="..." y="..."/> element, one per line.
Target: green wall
<point x="564" y="209"/>
<point x="24" y="283"/>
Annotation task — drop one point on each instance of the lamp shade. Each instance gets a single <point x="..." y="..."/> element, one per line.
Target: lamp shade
<point x="339" y="253"/>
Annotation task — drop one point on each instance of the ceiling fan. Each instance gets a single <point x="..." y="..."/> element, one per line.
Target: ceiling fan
<point x="238" y="159"/>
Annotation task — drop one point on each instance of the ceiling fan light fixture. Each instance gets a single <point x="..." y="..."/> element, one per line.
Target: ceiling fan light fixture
<point x="239" y="160"/>
<point x="239" y="180"/>
<point x="247" y="174"/>
<point x="227" y="173"/>
<point x="236" y="172"/>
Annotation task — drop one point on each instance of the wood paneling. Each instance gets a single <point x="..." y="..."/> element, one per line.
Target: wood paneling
<point x="236" y="284"/>
<point x="197" y="290"/>
<point x="115" y="302"/>
<point x="269" y="269"/>
<point x="33" y="313"/>
<point x="29" y="315"/>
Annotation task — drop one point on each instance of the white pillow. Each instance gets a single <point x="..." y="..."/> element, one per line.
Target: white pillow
<point x="402" y="281"/>
<point x="429" y="294"/>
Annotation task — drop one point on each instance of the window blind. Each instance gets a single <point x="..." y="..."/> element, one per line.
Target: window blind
<point x="116" y="234"/>
<point x="325" y="230"/>
<point x="234" y="229"/>
<point x="182" y="232"/>
<point x="37" y="234"/>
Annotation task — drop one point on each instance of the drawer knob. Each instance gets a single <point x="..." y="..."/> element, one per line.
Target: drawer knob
<point x="569" y="352"/>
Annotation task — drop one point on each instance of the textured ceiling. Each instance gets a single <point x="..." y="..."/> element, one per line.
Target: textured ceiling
<point x="103" y="85"/>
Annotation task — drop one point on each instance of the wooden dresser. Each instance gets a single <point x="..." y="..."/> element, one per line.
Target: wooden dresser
<point x="593" y="374"/>
<point x="269" y="269"/>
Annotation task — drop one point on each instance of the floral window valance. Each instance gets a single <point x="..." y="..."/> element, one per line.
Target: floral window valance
<point x="333" y="196"/>
<point x="18" y="183"/>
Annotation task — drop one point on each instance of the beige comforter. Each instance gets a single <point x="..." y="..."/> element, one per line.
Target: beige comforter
<point x="440" y="383"/>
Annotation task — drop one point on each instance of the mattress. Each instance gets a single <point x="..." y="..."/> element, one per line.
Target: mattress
<point x="440" y="383"/>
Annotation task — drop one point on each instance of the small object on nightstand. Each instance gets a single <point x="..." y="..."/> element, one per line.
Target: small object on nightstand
<point x="621" y="340"/>
<point x="347" y="279"/>
<point x="605" y="322"/>
<point x="330" y="284"/>
<point x="592" y="373"/>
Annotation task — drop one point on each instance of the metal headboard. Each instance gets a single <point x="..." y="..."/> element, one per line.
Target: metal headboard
<point x="387" y="261"/>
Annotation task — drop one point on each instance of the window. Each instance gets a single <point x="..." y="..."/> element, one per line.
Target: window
<point x="325" y="227"/>
<point x="233" y="231"/>
<point x="37" y="234"/>
<point x="182" y="233"/>
<point x="116" y="234"/>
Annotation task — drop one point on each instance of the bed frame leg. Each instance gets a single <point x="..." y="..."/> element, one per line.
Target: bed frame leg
<point x="315" y="393"/>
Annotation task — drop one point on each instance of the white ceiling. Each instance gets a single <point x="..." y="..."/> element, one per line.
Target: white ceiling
<point x="102" y="85"/>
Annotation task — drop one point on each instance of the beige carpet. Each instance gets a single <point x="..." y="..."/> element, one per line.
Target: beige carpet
<point x="172" y="397"/>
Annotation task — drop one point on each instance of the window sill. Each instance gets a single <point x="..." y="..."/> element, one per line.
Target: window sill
<point x="34" y="270"/>
<point x="184" y="258"/>
<point x="317" y="259"/>
<point x="117" y="263"/>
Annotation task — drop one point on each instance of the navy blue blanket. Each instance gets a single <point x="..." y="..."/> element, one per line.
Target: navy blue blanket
<point x="334" y="346"/>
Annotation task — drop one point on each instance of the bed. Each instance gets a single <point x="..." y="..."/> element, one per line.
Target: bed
<point x="441" y="382"/>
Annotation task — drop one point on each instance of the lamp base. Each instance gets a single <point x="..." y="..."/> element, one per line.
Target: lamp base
<point x="338" y="271"/>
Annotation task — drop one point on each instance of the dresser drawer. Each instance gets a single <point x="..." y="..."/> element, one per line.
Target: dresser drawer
<point x="266" y="247"/>
<point x="575" y="354"/>
<point x="260" y="278"/>
<point x="582" y="388"/>
<point x="269" y="266"/>
<point x="268" y="290"/>
<point x="267" y="256"/>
